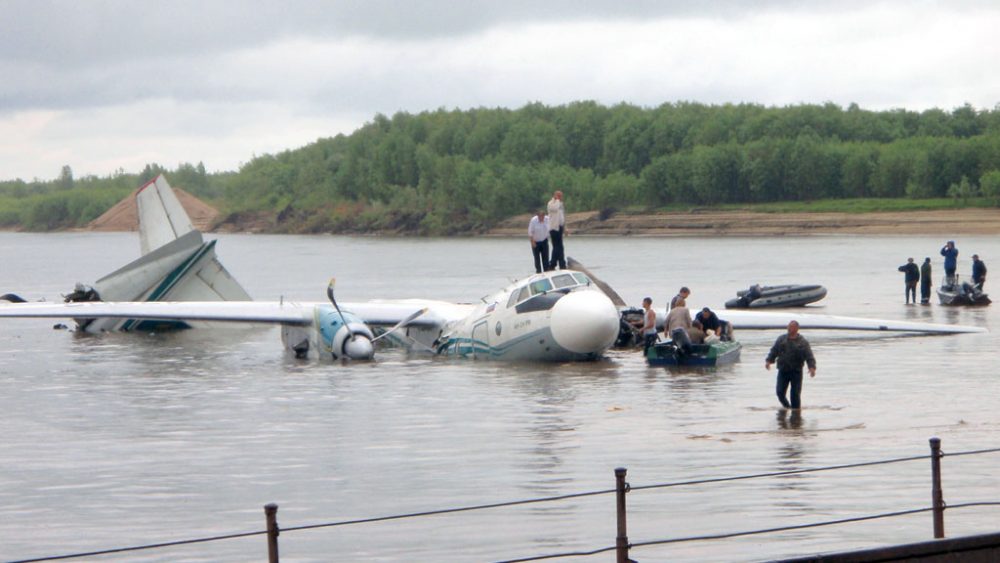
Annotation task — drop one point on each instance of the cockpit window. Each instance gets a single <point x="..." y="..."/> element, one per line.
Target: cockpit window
<point x="563" y="280"/>
<point x="523" y="294"/>
<point x="581" y="278"/>
<point x="540" y="286"/>
<point x="513" y="298"/>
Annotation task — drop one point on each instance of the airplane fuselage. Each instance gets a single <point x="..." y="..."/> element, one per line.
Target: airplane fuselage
<point x="556" y="316"/>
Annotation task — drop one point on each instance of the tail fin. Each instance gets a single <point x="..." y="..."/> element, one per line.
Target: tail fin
<point x="162" y="218"/>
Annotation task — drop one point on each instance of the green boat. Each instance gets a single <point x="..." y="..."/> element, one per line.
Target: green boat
<point x="714" y="354"/>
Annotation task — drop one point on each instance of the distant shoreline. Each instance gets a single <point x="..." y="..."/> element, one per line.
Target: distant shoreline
<point x="708" y="222"/>
<point x="946" y="222"/>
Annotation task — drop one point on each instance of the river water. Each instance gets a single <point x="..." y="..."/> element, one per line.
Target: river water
<point x="127" y="439"/>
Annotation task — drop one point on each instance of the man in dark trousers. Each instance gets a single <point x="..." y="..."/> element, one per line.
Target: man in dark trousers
<point x="557" y="230"/>
<point x="925" y="281"/>
<point x="791" y="350"/>
<point x="978" y="272"/>
<point x="538" y="234"/>
<point x="912" y="272"/>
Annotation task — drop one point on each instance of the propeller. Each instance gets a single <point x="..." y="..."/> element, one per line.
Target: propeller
<point x="353" y="347"/>
<point x="329" y="293"/>
<point x="612" y="294"/>
<point x="401" y="323"/>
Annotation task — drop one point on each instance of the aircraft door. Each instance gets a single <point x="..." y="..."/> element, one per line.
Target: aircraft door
<point x="480" y="339"/>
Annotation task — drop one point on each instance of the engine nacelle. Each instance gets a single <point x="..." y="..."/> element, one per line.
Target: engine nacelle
<point x="329" y="337"/>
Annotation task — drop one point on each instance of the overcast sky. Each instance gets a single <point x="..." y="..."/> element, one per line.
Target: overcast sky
<point x="102" y="85"/>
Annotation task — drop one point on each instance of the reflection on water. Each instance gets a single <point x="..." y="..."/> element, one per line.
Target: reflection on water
<point x="124" y="438"/>
<point x="792" y="450"/>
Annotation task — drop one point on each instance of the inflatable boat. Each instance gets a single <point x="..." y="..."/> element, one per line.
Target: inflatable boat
<point x="776" y="296"/>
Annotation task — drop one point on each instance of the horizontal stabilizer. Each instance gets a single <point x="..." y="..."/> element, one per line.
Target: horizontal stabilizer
<point x="138" y="279"/>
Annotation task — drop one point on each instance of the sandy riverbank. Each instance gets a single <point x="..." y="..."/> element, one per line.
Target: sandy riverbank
<point x="973" y="221"/>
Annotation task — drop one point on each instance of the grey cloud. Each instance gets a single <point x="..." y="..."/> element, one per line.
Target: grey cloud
<point x="63" y="33"/>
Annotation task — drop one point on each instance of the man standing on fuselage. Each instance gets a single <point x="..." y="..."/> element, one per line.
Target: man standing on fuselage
<point x="557" y="226"/>
<point x="791" y="350"/>
<point x="538" y="233"/>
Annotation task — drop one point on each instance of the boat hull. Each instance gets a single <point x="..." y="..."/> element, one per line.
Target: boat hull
<point x="956" y="292"/>
<point x="777" y="296"/>
<point x="953" y="299"/>
<point x="707" y="355"/>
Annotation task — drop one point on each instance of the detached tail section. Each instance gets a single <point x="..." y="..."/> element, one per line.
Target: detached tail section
<point x="176" y="264"/>
<point x="162" y="218"/>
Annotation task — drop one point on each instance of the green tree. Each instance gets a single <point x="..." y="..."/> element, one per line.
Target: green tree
<point x="66" y="178"/>
<point x="990" y="186"/>
<point x="964" y="190"/>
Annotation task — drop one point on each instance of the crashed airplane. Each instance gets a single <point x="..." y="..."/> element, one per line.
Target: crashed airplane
<point x="556" y="316"/>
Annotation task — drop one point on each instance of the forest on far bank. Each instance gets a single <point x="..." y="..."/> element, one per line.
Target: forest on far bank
<point x="464" y="171"/>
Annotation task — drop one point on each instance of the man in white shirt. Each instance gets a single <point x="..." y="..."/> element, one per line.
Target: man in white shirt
<point x="557" y="226"/>
<point x="538" y="233"/>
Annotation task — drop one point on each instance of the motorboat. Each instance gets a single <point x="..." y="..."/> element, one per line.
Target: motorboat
<point x="718" y="353"/>
<point x="757" y="296"/>
<point x="957" y="292"/>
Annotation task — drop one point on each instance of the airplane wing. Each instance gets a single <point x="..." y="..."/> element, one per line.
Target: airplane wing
<point x="780" y="320"/>
<point x="388" y="312"/>
<point x="229" y="311"/>
<point x="376" y="313"/>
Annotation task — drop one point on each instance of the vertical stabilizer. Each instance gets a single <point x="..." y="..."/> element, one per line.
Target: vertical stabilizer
<point x="162" y="219"/>
<point x="176" y="264"/>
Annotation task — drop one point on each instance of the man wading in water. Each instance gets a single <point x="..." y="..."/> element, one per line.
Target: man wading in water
<point x="791" y="350"/>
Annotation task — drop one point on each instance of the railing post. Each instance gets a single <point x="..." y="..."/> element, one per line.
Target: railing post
<point x="621" y="542"/>
<point x="271" y="513"/>
<point x="937" y="495"/>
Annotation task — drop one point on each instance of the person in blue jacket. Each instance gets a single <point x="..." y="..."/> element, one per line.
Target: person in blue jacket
<point x="950" y="254"/>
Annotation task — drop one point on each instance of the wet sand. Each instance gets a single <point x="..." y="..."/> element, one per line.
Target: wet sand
<point x="973" y="221"/>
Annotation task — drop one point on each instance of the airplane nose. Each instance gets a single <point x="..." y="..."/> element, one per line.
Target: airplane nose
<point x="585" y="322"/>
<point x="359" y="348"/>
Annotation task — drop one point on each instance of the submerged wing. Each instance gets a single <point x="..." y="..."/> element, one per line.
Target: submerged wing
<point x="386" y="313"/>
<point x="226" y="311"/>
<point x="780" y="320"/>
<point x="377" y="313"/>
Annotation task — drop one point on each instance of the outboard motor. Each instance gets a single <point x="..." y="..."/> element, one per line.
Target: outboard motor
<point x="627" y="335"/>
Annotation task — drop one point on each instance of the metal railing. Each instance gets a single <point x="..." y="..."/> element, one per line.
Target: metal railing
<point x="622" y="544"/>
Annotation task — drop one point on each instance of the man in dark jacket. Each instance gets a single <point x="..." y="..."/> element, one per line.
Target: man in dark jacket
<point x="925" y="281"/>
<point x="912" y="272"/>
<point x="978" y="272"/>
<point x="791" y="350"/>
